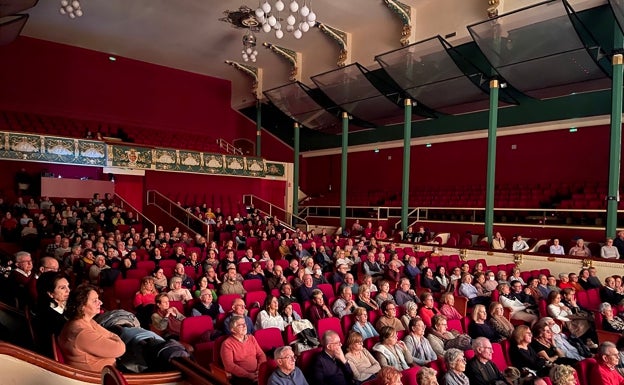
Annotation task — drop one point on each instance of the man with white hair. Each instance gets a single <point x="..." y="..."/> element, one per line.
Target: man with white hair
<point x="21" y="277"/>
<point x="605" y="373"/>
<point x="480" y="369"/>
<point x="286" y="373"/>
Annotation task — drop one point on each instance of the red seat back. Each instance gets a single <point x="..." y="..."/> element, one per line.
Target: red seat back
<point x="255" y="296"/>
<point x="408" y="376"/>
<point x="593" y="297"/>
<point x="253" y="285"/>
<point x="269" y="338"/>
<point x="265" y="370"/>
<point x="327" y="289"/>
<point x="226" y="301"/>
<point x="331" y="323"/>
<point x="193" y="327"/>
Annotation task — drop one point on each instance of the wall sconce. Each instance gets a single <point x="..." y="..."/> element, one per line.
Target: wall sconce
<point x="416" y="247"/>
<point x="463" y="254"/>
<point x="587" y="263"/>
<point x="518" y="259"/>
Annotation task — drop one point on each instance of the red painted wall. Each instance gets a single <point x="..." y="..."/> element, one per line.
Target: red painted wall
<point x="217" y="191"/>
<point x="54" y="79"/>
<point x="554" y="156"/>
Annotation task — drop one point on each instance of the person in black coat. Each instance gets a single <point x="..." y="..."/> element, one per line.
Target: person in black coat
<point x="331" y="366"/>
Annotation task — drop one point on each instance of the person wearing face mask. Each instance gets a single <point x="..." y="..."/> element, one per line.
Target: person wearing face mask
<point x="490" y="283"/>
<point x="317" y="276"/>
<point x="574" y="351"/>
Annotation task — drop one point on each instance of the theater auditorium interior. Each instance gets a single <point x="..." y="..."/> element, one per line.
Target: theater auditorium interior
<point x="400" y="131"/>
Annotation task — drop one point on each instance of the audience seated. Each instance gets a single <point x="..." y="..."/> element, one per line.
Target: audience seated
<point x="84" y="343"/>
<point x="241" y="354"/>
<point x="331" y="366"/>
<point x="362" y="363"/>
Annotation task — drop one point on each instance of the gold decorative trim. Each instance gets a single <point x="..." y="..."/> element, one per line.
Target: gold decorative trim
<point x="463" y="254"/>
<point x="340" y="37"/>
<point x="288" y="54"/>
<point x="492" y="10"/>
<point x="248" y="70"/>
<point x="404" y="12"/>
<point x="617" y="59"/>
<point x="587" y="263"/>
<point x="518" y="259"/>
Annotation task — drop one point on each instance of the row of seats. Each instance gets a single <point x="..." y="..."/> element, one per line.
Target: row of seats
<point x="77" y="128"/>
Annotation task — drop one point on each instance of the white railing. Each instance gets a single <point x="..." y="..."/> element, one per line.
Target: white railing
<point x="178" y="213"/>
<point x="127" y="207"/>
<point x="286" y="218"/>
<point x="229" y="148"/>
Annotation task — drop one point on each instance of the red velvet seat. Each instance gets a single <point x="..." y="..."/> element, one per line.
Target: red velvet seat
<point x="269" y="338"/>
<point x="124" y="291"/>
<point x="253" y="285"/>
<point x="306" y="359"/>
<point x="194" y="327"/>
<point x="226" y="301"/>
<point x="265" y="370"/>
<point x="255" y="296"/>
<point x="408" y="376"/>
<point x="331" y="323"/>
<point x="327" y="290"/>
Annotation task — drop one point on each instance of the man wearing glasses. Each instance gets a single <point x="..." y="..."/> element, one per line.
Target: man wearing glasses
<point x="20" y="278"/>
<point x="480" y="369"/>
<point x="605" y="373"/>
<point x="241" y="354"/>
<point x="286" y="373"/>
<point x="331" y="366"/>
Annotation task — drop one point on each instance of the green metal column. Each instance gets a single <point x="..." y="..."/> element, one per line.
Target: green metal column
<point x="615" y="147"/>
<point x="295" y="209"/>
<point x="258" y="129"/>
<point x="407" y="137"/>
<point x="491" y="162"/>
<point x="343" y="171"/>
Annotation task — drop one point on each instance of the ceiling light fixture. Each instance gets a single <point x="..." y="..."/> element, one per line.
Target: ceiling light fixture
<point x="249" y="46"/>
<point x="71" y="8"/>
<point x="298" y="21"/>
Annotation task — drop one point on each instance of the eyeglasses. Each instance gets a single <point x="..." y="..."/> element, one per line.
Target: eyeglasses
<point x="290" y="357"/>
<point x="240" y="325"/>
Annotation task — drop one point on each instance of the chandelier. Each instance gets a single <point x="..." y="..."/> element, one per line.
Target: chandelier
<point x="70" y="8"/>
<point x="249" y="46"/>
<point x="298" y="21"/>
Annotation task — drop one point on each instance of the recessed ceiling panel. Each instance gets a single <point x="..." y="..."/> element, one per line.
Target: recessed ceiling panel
<point x="293" y="100"/>
<point x="538" y="50"/>
<point x="351" y="89"/>
<point x="430" y="72"/>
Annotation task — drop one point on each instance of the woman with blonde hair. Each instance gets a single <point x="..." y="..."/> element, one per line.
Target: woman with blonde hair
<point x="498" y="321"/>
<point x="562" y="375"/>
<point x="362" y="363"/>
<point x="427" y="376"/>
<point x="364" y="299"/>
<point x="447" y="300"/>
<point x="361" y="324"/>
<point x="177" y="292"/>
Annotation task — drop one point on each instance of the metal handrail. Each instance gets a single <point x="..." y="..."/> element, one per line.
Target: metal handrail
<point x="177" y="212"/>
<point x="120" y="202"/>
<point x="544" y="217"/>
<point x="229" y="148"/>
<point x="284" y="217"/>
